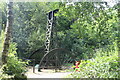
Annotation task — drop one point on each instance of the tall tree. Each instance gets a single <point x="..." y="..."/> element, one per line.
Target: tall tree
<point x="7" y="32"/>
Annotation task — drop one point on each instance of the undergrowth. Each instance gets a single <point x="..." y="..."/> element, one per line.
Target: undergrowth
<point x="103" y="65"/>
<point x="15" y="67"/>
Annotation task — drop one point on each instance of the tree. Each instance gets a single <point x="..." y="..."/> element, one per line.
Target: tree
<point x="94" y="27"/>
<point x="7" y="32"/>
<point x="29" y="26"/>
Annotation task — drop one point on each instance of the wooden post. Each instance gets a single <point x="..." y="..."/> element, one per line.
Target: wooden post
<point x="56" y="62"/>
<point x="33" y="65"/>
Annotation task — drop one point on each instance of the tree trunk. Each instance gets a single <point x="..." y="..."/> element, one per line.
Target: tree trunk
<point x="7" y="32"/>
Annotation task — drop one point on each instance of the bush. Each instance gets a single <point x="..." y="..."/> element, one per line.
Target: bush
<point x="14" y="67"/>
<point x="99" y="67"/>
<point x="3" y="75"/>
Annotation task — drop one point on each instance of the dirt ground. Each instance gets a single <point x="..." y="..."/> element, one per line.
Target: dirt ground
<point x="46" y="73"/>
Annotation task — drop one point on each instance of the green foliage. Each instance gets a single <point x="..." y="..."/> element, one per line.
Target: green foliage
<point x="3" y="18"/>
<point x="14" y="66"/>
<point x="29" y="26"/>
<point x="99" y="67"/>
<point x="2" y="75"/>
<point x="1" y="45"/>
<point x="104" y="64"/>
<point x="91" y="28"/>
<point x="88" y="30"/>
<point x="93" y="34"/>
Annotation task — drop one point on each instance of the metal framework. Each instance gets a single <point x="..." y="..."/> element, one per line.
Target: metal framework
<point x="51" y="33"/>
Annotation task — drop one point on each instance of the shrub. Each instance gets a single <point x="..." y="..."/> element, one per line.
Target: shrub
<point x="3" y="75"/>
<point x="99" y="67"/>
<point x="15" y="66"/>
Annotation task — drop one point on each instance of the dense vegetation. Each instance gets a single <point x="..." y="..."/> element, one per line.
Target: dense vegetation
<point x="90" y="31"/>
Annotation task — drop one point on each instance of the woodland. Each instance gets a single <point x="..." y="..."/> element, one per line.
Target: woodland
<point x="89" y="31"/>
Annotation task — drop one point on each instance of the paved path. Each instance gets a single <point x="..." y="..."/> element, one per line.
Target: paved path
<point x="47" y="74"/>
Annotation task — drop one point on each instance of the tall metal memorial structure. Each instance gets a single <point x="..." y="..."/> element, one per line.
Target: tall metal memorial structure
<point x="51" y="33"/>
<point x="51" y="41"/>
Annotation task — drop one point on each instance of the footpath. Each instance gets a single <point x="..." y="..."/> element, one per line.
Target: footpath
<point x="46" y="73"/>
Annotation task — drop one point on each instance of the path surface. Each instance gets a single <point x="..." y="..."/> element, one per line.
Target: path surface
<point x="47" y="74"/>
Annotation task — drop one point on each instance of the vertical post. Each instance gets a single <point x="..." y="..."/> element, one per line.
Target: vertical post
<point x="33" y="65"/>
<point x="55" y="44"/>
<point x="56" y="62"/>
